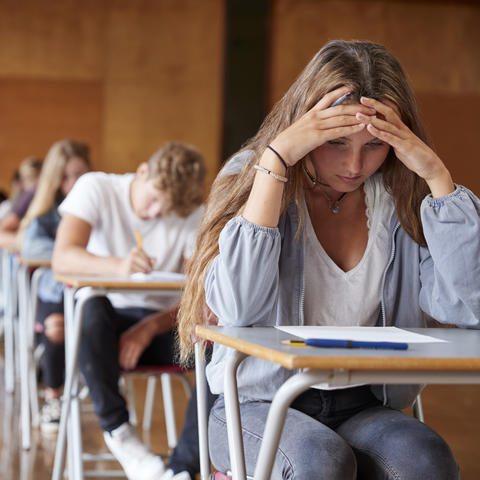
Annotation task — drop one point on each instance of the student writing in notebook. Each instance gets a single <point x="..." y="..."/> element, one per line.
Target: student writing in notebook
<point x="65" y="162"/>
<point x="337" y="212"/>
<point x="96" y="236"/>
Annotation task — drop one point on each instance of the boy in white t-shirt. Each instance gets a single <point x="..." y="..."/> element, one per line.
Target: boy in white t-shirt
<point x="96" y="236"/>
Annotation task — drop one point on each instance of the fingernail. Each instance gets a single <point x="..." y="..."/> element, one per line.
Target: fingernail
<point x="364" y="99"/>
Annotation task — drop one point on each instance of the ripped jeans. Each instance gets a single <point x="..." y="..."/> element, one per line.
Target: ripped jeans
<point x="343" y="434"/>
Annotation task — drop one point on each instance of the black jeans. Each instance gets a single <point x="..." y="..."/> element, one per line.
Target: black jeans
<point x="52" y="362"/>
<point x="101" y="328"/>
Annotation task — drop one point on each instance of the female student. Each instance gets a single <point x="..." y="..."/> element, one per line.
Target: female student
<point x="28" y="172"/>
<point x="336" y="213"/>
<point x="66" y="161"/>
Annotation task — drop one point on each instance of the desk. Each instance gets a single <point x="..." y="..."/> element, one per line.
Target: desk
<point x="92" y="286"/>
<point x="454" y="362"/>
<point x="27" y="284"/>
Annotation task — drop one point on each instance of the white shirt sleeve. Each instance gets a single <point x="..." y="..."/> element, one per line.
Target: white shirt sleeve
<point x="86" y="198"/>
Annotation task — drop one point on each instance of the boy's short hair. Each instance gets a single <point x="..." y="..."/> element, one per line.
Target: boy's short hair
<point x="179" y="170"/>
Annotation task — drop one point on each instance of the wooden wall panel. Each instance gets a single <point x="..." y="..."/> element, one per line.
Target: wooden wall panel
<point x="37" y="112"/>
<point x="163" y="79"/>
<point x="436" y="42"/>
<point x="54" y="39"/>
<point x="157" y="67"/>
<point x="452" y="120"/>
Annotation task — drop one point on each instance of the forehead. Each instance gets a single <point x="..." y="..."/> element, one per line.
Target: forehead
<point x="363" y="136"/>
<point x="75" y="162"/>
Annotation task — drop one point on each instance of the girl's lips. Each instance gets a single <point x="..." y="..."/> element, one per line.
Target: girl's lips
<point x="349" y="179"/>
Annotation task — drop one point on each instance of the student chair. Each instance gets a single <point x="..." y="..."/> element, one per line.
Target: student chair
<point x="152" y="372"/>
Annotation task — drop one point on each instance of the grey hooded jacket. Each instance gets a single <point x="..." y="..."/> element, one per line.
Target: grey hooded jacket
<point x="257" y="280"/>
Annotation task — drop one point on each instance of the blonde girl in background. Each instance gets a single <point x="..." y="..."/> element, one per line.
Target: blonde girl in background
<point x="65" y="162"/>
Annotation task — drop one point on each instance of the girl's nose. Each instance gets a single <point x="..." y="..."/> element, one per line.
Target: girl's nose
<point x="353" y="163"/>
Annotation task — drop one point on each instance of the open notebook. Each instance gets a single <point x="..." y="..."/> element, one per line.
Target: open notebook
<point x="155" y="276"/>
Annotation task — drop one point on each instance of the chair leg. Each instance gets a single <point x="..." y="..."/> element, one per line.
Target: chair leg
<point x="418" y="409"/>
<point x="132" y="412"/>
<point x="149" y="398"/>
<point x="32" y="379"/>
<point x="187" y="388"/>
<point x="169" y="410"/>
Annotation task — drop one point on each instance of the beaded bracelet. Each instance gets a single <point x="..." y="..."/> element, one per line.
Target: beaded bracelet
<point x="269" y="172"/>
<point x="284" y="163"/>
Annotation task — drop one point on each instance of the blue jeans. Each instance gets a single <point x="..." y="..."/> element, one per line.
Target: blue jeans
<point x="338" y="435"/>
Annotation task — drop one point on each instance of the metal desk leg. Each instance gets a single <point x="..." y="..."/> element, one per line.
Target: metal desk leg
<point x="23" y="278"/>
<point x="14" y="305"/>
<point x="32" y="373"/>
<point x="69" y="294"/>
<point x="8" y="324"/>
<point x="75" y="448"/>
<point x="232" y="410"/>
<point x="201" y="383"/>
<point x="276" y="418"/>
<point x="73" y="329"/>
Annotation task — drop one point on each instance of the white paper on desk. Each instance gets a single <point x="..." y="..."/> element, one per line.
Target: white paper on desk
<point x="160" y="277"/>
<point x="372" y="334"/>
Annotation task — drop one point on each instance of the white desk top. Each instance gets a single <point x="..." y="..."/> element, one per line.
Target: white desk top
<point x="460" y="352"/>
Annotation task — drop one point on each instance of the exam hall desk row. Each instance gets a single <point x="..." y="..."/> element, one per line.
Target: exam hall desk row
<point x="455" y="361"/>
<point x="20" y="277"/>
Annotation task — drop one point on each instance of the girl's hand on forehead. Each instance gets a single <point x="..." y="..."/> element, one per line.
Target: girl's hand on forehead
<point x="409" y="149"/>
<point x="319" y="125"/>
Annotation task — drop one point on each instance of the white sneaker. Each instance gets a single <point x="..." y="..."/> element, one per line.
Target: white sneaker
<point x="138" y="462"/>
<point x="50" y="415"/>
<point x="169" y="475"/>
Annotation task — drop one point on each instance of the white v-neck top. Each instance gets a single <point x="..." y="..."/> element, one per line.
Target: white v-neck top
<point x="335" y="297"/>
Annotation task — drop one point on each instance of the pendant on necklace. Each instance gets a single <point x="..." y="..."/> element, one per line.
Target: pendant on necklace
<point x="334" y="205"/>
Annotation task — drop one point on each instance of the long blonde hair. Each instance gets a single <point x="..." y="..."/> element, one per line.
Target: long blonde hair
<point x="51" y="176"/>
<point x="371" y="71"/>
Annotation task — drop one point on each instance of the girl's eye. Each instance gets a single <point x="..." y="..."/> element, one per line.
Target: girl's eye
<point x="375" y="144"/>
<point x="335" y="142"/>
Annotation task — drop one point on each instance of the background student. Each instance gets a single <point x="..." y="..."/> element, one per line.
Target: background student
<point x="162" y="201"/>
<point x="336" y="213"/>
<point x="65" y="162"/>
<point x="29" y="172"/>
<point x="15" y="191"/>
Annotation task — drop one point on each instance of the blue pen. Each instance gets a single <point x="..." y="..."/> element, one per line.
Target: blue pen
<point x="332" y="343"/>
<point x="338" y="101"/>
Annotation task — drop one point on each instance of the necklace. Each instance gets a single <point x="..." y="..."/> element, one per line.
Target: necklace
<point x="334" y="205"/>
